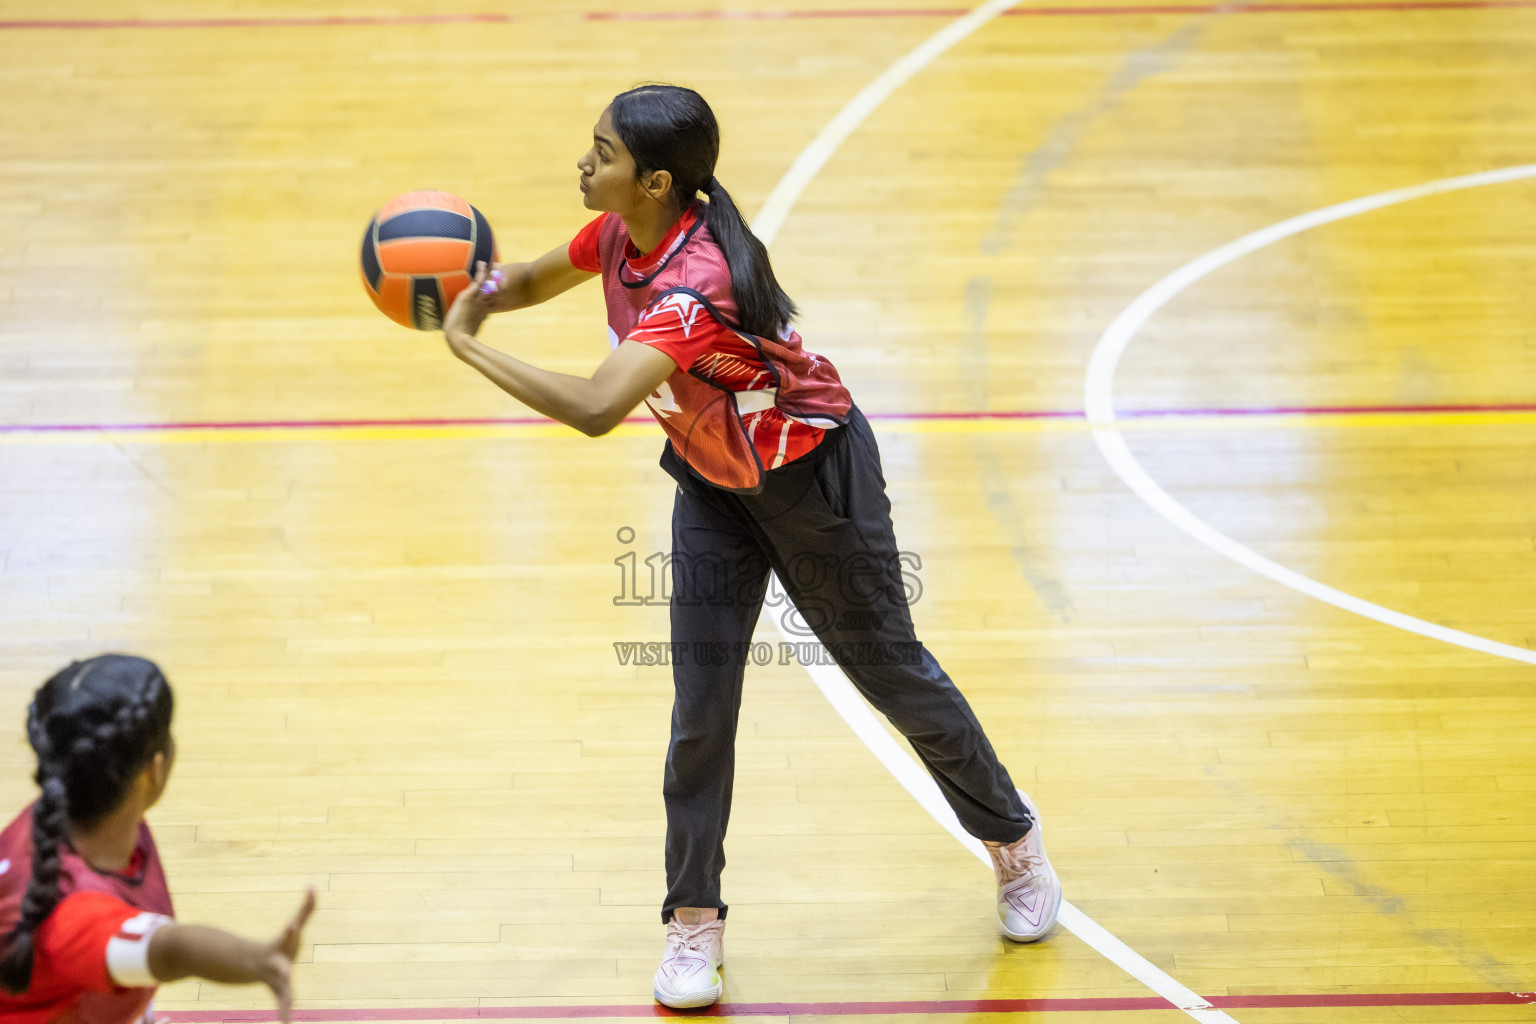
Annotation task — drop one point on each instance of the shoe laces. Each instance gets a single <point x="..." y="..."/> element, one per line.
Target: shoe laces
<point x="1011" y="861"/>
<point x="702" y="938"/>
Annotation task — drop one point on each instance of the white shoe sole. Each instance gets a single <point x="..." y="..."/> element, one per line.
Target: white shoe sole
<point x="692" y="1001"/>
<point x="1051" y="921"/>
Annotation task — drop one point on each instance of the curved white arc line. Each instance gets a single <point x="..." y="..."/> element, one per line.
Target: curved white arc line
<point x="1098" y="404"/>
<point x="1112" y="445"/>
<point x="1098" y="385"/>
<point x="829" y="679"/>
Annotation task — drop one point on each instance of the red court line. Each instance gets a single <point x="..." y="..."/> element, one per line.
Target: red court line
<point x="862" y="1009"/>
<point x="297" y="21"/>
<point x="1325" y="410"/>
<point x="906" y="1008"/>
<point x="1003" y="414"/>
<point x="1026" y="11"/>
<point x="1342" y="999"/>
<point x="1116" y="10"/>
<point x="484" y="421"/>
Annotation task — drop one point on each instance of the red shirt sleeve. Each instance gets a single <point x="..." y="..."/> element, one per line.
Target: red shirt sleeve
<point x="679" y="325"/>
<point x="71" y="943"/>
<point x="583" y="248"/>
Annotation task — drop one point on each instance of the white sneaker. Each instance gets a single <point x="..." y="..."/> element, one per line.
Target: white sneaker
<point x="1028" y="891"/>
<point x="689" y="974"/>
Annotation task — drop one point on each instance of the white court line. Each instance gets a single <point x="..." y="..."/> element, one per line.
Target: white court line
<point x="815" y="155"/>
<point x="1098" y="402"/>
<point x="840" y="693"/>
<point x="829" y="679"/>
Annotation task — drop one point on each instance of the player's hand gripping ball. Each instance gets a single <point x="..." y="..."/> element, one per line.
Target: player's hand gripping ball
<point x="471" y="308"/>
<point x="419" y="252"/>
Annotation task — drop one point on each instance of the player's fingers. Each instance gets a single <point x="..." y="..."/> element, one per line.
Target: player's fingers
<point x="489" y="281"/>
<point x="305" y="910"/>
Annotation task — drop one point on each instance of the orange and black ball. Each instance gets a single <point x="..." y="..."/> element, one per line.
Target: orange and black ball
<point x="419" y="252"/>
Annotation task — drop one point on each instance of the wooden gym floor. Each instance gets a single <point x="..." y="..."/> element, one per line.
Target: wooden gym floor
<point x="393" y="642"/>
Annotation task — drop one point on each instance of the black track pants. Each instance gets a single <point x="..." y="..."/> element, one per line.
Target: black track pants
<point x="823" y="524"/>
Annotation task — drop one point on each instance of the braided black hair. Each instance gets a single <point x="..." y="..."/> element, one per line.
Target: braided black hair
<point x="94" y="727"/>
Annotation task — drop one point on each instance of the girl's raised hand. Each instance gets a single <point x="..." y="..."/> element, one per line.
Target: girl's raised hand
<point x="278" y="969"/>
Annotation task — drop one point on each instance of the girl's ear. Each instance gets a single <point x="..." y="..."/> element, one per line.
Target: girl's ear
<point x="659" y="186"/>
<point x="156" y="776"/>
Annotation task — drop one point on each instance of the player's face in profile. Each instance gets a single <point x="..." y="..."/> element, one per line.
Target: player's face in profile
<point x="607" y="171"/>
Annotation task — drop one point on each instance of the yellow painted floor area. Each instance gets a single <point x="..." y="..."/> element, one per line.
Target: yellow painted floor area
<point x="393" y="641"/>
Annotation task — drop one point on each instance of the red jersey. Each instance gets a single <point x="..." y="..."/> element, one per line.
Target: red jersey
<point x="91" y="954"/>
<point x="737" y="404"/>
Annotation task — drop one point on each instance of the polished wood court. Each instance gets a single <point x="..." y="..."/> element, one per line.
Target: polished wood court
<point x="393" y="644"/>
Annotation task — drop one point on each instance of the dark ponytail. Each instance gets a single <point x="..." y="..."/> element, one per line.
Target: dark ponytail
<point x="669" y="128"/>
<point x="94" y="727"/>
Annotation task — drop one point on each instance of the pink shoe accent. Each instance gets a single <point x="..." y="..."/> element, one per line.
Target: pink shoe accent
<point x="1029" y="900"/>
<point x="675" y="968"/>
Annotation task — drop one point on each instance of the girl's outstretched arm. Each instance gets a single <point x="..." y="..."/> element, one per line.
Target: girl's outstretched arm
<point x="593" y="405"/>
<point x="179" y="951"/>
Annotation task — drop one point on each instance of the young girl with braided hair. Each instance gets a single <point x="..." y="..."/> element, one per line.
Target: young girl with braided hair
<point x="86" y="929"/>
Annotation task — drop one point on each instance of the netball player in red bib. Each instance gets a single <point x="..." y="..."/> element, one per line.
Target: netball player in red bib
<point x="776" y="470"/>
<point x="85" y="916"/>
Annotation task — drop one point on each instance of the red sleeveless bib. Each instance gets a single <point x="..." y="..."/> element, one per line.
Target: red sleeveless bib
<point x="702" y="418"/>
<point x="145" y="889"/>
